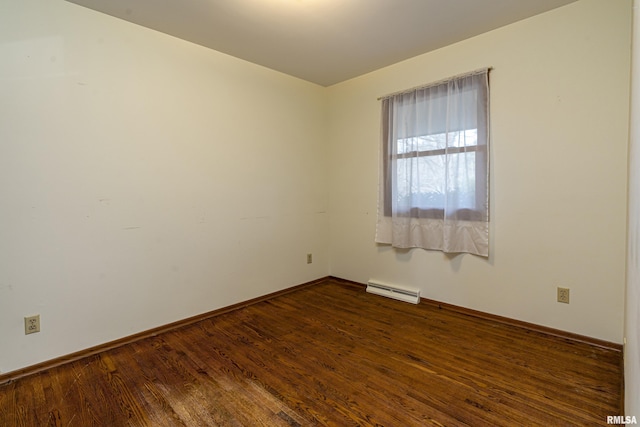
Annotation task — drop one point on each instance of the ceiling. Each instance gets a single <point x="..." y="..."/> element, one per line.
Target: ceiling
<point x="323" y="41"/>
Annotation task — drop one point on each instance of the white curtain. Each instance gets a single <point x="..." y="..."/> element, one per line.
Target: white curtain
<point x="434" y="167"/>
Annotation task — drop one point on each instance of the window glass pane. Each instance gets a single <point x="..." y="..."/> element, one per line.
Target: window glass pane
<point x="461" y="180"/>
<point x="423" y="181"/>
<point x="420" y="182"/>
<point x="465" y="138"/>
<point x="439" y="141"/>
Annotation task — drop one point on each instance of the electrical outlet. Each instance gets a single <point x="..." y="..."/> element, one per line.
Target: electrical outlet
<point x="309" y="258"/>
<point x="31" y="324"/>
<point x="563" y="295"/>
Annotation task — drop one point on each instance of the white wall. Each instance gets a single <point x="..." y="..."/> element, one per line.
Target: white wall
<point x="134" y="192"/>
<point x="144" y="179"/>
<point x="632" y="321"/>
<point x="559" y="105"/>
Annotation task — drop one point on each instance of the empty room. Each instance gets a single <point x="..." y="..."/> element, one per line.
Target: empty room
<point x="319" y="212"/>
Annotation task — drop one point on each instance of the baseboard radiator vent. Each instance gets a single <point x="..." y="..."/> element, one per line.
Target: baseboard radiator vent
<point x="393" y="291"/>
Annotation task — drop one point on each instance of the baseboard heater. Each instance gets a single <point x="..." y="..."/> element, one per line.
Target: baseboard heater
<point x="393" y="291"/>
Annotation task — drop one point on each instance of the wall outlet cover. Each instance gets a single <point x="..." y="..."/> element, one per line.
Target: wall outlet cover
<point x="563" y="295"/>
<point x="32" y="324"/>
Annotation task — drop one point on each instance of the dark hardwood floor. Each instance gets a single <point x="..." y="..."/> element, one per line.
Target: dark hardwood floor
<point x="329" y="354"/>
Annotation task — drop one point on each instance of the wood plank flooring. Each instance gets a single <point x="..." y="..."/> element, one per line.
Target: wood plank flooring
<point x="329" y="354"/>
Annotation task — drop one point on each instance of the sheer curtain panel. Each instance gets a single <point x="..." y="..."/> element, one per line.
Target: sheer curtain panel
<point x="434" y="167"/>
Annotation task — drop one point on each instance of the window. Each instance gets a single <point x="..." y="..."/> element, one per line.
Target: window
<point x="435" y="158"/>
